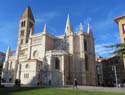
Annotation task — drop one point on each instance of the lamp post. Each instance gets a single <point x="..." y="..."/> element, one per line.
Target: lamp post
<point x="115" y="72"/>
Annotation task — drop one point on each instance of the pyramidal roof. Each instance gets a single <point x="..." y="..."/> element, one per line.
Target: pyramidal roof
<point x="28" y="13"/>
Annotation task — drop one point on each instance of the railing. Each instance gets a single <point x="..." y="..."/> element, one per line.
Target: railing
<point x="13" y="53"/>
<point x="12" y="57"/>
<point x="56" y="52"/>
<point x="20" y="57"/>
<point x="24" y="45"/>
<point x="23" y="57"/>
<point x="8" y="84"/>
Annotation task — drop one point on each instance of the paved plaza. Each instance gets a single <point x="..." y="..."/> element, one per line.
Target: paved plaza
<point x="104" y="89"/>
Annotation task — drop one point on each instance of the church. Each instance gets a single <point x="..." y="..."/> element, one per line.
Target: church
<point x="44" y="59"/>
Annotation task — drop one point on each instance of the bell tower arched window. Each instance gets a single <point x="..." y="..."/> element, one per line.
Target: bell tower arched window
<point x="22" y="33"/>
<point x="23" y="24"/>
<point x="123" y="26"/>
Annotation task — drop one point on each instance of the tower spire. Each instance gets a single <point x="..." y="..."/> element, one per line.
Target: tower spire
<point x="89" y="29"/>
<point x="28" y="13"/>
<point x="45" y="29"/>
<point x="68" y="28"/>
<point x="81" y="28"/>
<point x="7" y="54"/>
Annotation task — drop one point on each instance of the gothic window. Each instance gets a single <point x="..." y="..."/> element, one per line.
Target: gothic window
<point x="22" y="33"/>
<point x="123" y="26"/>
<point x="57" y="64"/>
<point x="35" y="54"/>
<point x="27" y="66"/>
<point x="86" y="62"/>
<point x="20" y="66"/>
<point x="26" y="75"/>
<point x="85" y="44"/>
<point x="10" y="65"/>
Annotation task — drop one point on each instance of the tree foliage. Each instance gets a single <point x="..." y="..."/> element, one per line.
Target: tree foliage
<point x="119" y="49"/>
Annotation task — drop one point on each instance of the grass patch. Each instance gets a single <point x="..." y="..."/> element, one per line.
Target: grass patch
<point x="50" y="91"/>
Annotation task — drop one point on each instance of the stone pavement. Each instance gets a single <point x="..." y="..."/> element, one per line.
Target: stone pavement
<point x="95" y="88"/>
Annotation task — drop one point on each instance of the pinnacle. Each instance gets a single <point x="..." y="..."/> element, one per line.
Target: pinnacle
<point x="68" y="25"/>
<point x="81" y="27"/>
<point x="45" y="29"/>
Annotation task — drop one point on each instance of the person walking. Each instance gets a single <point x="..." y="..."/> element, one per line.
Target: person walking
<point x="75" y="83"/>
<point x="49" y="83"/>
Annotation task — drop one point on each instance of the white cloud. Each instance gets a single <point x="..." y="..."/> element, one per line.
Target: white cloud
<point x="96" y="10"/>
<point x="77" y="28"/>
<point x="53" y="30"/>
<point x="8" y="33"/>
<point x="107" y="21"/>
<point x="104" y="24"/>
<point x="101" y="50"/>
<point x="105" y="32"/>
<point x="45" y="17"/>
<point x="87" y="20"/>
<point x="85" y="24"/>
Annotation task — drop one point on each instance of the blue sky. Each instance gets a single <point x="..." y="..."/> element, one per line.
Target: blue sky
<point x="99" y="13"/>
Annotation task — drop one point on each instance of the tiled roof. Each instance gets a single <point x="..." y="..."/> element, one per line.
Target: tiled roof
<point x="28" y="13"/>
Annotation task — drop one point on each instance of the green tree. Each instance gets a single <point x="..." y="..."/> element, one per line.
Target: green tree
<point x="119" y="49"/>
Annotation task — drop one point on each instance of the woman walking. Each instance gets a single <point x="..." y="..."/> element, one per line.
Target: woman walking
<point x="75" y="83"/>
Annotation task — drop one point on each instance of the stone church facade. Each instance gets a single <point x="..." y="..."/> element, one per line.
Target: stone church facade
<point x="43" y="58"/>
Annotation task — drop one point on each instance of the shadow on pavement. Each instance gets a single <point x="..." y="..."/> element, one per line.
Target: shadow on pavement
<point x="11" y="90"/>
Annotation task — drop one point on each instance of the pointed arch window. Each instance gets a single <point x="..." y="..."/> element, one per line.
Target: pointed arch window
<point x="26" y="75"/>
<point x="57" y="64"/>
<point x="85" y="44"/>
<point x="86" y="62"/>
<point x="35" y="54"/>
<point x="27" y="66"/>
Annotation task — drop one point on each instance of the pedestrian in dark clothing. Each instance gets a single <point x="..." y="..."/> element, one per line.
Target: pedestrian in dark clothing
<point x="49" y="82"/>
<point x="75" y="83"/>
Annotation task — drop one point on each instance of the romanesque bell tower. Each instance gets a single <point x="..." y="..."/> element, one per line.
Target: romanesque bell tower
<point x="121" y="24"/>
<point x="26" y="24"/>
